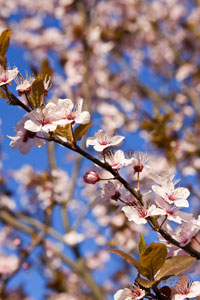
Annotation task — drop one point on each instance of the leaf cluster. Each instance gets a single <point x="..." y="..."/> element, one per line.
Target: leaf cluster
<point x="154" y="266"/>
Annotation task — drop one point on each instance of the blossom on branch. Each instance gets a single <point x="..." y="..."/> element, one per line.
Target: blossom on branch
<point x="185" y="232"/>
<point x="25" y="139"/>
<point x="71" y="113"/>
<point x="129" y="294"/>
<point x="45" y="120"/>
<point x="6" y="76"/>
<point x="24" y="85"/>
<point x="166" y="189"/>
<point x="185" y="289"/>
<point x="172" y="212"/>
<point x="109" y="191"/>
<point x="91" y="177"/>
<point x="139" y="214"/>
<point x="117" y="159"/>
<point x="102" y="140"/>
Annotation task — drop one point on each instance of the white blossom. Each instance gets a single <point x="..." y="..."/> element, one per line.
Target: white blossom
<point x="6" y="76"/>
<point x="186" y="289"/>
<point x="166" y="189"/>
<point x="102" y="140"/>
<point x="129" y="294"/>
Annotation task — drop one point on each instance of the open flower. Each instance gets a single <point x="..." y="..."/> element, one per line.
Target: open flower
<point x="6" y="76"/>
<point x="110" y="190"/>
<point x="102" y="140"/>
<point x="45" y="120"/>
<point x="166" y="189"/>
<point x="72" y="113"/>
<point x="117" y="159"/>
<point x="185" y="232"/>
<point x="25" y="139"/>
<point x="24" y="85"/>
<point x="186" y="289"/>
<point x="129" y="294"/>
<point x="172" y="212"/>
<point x="139" y="214"/>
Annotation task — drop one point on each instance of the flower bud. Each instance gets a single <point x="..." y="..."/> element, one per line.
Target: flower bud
<point x="91" y="177"/>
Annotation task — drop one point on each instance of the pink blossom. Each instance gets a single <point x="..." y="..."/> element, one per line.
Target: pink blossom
<point x="166" y="189"/>
<point x="186" y="289"/>
<point x="117" y="159"/>
<point x="139" y="214"/>
<point x="6" y="76"/>
<point x="24" y="85"/>
<point x="25" y="139"/>
<point x="91" y="177"/>
<point x="185" y="232"/>
<point x="109" y="191"/>
<point x="72" y="113"/>
<point x="172" y="212"/>
<point x="129" y="294"/>
<point x="45" y="120"/>
<point x="102" y="140"/>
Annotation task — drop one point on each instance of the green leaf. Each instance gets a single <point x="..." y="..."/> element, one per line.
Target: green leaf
<point x="145" y="283"/>
<point x="4" y="41"/>
<point x="3" y="95"/>
<point x="174" y="266"/>
<point x="142" y="245"/>
<point x="127" y="258"/>
<point x="37" y="93"/>
<point x="65" y="131"/>
<point x="80" y="130"/>
<point x="152" y="259"/>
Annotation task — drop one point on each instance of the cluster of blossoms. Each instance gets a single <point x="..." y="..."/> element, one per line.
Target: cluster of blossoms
<point x="169" y="200"/>
<point x="162" y="37"/>
<point x="41" y="120"/>
<point x="31" y="130"/>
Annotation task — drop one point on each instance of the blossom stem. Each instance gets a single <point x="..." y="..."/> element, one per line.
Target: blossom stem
<point x="138" y="181"/>
<point x="163" y="221"/>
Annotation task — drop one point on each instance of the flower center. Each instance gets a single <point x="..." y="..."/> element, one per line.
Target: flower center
<point x="3" y="78"/>
<point x="45" y="121"/>
<point x="142" y="212"/>
<point x="71" y="116"/>
<point x="171" y="197"/>
<point x="170" y="212"/>
<point x="183" y="290"/>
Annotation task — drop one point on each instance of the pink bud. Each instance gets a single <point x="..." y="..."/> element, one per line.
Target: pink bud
<point x="91" y="177"/>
